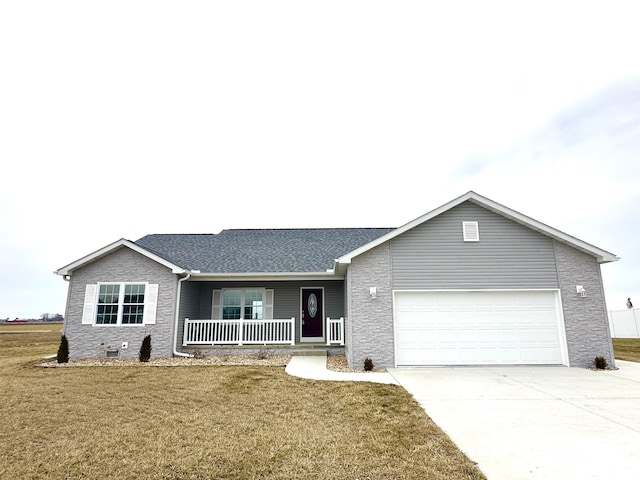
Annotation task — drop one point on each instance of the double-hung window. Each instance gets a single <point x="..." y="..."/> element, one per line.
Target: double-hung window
<point x="120" y="304"/>
<point x="253" y="304"/>
<point x="243" y="303"/>
<point x="133" y="303"/>
<point x="108" y="304"/>
<point x="247" y="304"/>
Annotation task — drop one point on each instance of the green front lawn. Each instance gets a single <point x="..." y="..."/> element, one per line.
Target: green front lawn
<point x="627" y="349"/>
<point x="201" y="422"/>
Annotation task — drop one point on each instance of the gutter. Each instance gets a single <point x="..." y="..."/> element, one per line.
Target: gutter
<point x="175" y="326"/>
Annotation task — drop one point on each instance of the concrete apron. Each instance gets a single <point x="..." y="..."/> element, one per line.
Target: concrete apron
<point x="536" y="422"/>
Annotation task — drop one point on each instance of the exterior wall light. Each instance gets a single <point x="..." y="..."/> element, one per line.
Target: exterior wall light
<point x="373" y="292"/>
<point x="581" y="291"/>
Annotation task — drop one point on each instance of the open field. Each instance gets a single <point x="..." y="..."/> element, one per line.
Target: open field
<point x="207" y="423"/>
<point x="30" y="327"/>
<point x="627" y="349"/>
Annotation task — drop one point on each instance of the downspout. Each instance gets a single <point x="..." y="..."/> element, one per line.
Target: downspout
<point x="175" y="327"/>
<point x="66" y="278"/>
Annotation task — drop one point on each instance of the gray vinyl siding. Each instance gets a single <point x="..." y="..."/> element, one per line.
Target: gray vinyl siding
<point x="122" y="265"/>
<point x="189" y="306"/>
<point x="286" y="298"/>
<point x="433" y="255"/>
<point x="190" y="299"/>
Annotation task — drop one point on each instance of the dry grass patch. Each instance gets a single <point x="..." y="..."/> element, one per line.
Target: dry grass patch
<point x="627" y="349"/>
<point x="18" y="346"/>
<point x="30" y="327"/>
<point x="205" y="422"/>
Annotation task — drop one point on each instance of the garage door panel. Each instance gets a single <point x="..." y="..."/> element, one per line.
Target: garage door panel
<point x="449" y="328"/>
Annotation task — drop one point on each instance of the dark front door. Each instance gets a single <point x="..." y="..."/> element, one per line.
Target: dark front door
<point x="312" y="314"/>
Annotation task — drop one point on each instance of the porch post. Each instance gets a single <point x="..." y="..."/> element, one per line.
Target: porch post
<point x="293" y="331"/>
<point x="184" y="332"/>
<point x="328" y="330"/>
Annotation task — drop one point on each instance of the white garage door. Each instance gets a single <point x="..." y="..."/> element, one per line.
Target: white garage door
<point x="477" y="328"/>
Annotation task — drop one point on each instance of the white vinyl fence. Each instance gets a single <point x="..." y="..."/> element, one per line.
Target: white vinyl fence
<point x="625" y="323"/>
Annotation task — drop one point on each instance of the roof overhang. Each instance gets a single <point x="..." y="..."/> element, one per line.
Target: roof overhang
<point x="265" y="276"/>
<point x="122" y="243"/>
<point x="601" y="255"/>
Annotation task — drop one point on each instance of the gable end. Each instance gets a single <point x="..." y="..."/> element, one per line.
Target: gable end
<point x="122" y="243"/>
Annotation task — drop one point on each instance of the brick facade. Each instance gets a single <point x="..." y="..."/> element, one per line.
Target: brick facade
<point x="585" y="318"/>
<point x="370" y="320"/>
<point x="122" y="265"/>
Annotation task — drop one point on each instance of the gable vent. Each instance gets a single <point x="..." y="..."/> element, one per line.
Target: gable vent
<point x="470" y="232"/>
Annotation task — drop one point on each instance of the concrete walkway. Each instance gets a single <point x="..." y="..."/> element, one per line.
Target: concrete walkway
<point x="315" y="367"/>
<point x="536" y="422"/>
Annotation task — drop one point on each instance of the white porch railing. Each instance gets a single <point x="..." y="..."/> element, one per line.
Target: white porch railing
<point x="239" y="332"/>
<point x="335" y="330"/>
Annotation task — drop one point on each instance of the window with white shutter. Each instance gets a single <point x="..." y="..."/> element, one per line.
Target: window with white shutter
<point x="120" y="304"/>
<point x="216" y="309"/>
<point x="89" y="304"/>
<point x="242" y="303"/>
<point x="268" y="304"/>
<point x="150" y="305"/>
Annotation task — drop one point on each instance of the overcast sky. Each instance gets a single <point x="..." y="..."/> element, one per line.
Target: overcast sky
<point x="123" y="118"/>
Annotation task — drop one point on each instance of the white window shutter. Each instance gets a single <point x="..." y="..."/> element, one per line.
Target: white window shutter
<point x="216" y="308"/>
<point x="470" y="231"/>
<point x="88" y="310"/>
<point x="150" y="304"/>
<point x="268" y="304"/>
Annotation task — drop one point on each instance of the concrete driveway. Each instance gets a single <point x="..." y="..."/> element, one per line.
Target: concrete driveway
<point x="536" y="422"/>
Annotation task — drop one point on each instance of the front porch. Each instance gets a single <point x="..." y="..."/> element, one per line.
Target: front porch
<point x="229" y="317"/>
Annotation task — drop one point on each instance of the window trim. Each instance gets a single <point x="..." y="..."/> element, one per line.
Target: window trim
<point x="243" y="291"/>
<point x="217" y="302"/>
<point x="121" y="304"/>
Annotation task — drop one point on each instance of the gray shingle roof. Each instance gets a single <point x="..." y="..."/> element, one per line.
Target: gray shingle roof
<point x="253" y="251"/>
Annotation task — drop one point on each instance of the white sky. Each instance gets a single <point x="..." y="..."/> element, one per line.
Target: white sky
<point x="123" y="118"/>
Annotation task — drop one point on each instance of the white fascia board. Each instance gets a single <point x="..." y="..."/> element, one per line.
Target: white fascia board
<point x="602" y="255"/>
<point x="68" y="269"/>
<point x="265" y="276"/>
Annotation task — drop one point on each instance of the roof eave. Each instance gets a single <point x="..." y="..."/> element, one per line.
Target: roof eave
<point x="273" y="276"/>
